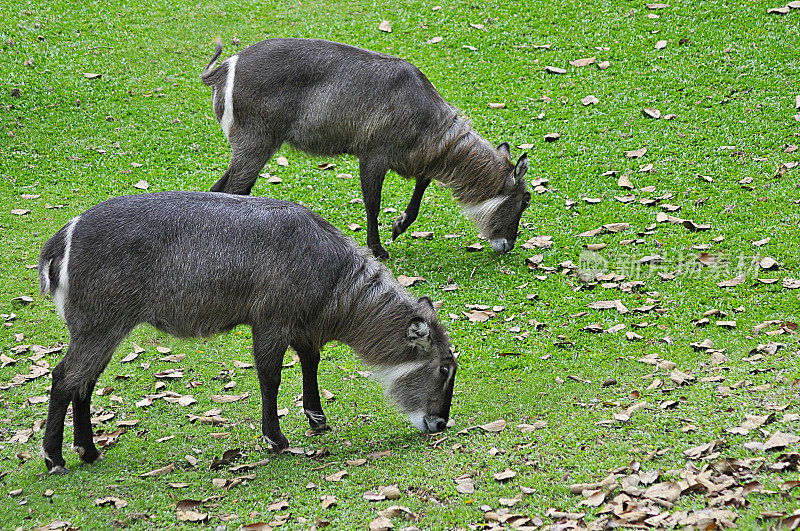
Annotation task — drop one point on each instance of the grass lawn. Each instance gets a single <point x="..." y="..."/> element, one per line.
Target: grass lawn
<point x="100" y="96"/>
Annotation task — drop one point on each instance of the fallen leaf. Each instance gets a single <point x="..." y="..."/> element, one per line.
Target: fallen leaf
<point x="636" y="153"/>
<point x="780" y="440"/>
<point x="495" y="426"/>
<point x="660" y="45"/>
<point x="590" y="100"/>
<point x="385" y="26"/>
<point x="555" y="70"/>
<point x="652" y="112"/>
<point x="497" y="105"/>
<point x="505" y="475"/>
<point x="465" y="484"/>
<point x="381" y="524"/>
<point x="667" y="491"/>
<point x="227" y="399"/>
<point x="625" y="182"/>
<point x="337" y="476"/>
<point x="111" y="500"/>
<point x="409" y="281"/>
<point x="607" y="305"/>
<point x="739" y="279"/>
<point x="583" y="62"/>
<point x="158" y="471"/>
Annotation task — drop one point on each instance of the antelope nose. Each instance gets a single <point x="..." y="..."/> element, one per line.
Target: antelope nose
<point x="435" y="424"/>
<point x="501" y="245"/>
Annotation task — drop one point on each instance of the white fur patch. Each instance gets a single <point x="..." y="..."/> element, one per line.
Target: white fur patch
<point x="60" y="293"/>
<point x="389" y="374"/>
<point x="46" y="277"/>
<point x="227" y="115"/>
<point x="417" y="419"/>
<point x="481" y="213"/>
<point x="317" y="417"/>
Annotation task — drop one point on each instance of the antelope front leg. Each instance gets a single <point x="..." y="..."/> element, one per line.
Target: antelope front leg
<point x="412" y="210"/>
<point x="309" y="362"/>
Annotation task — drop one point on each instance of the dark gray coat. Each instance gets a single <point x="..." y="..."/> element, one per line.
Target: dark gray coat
<point x="197" y="263"/>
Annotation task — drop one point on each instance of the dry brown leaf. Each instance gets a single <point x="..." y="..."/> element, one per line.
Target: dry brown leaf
<point x="590" y="100"/>
<point x="227" y="399"/>
<point x="607" y="305"/>
<point x="555" y="70"/>
<point x="328" y="500"/>
<point x="385" y="26"/>
<point x="278" y="505"/>
<point x="381" y="524"/>
<point x="158" y="471"/>
<point x="119" y="503"/>
<point x="528" y="428"/>
<point x="583" y="62"/>
<point x="636" y="153"/>
<point x="779" y="440"/>
<point x="667" y="491"/>
<point x="652" y="112"/>
<point x="505" y="475"/>
<point x="495" y="426"/>
<point x="625" y="182"/>
<point x="407" y="281"/>
<point x="465" y="484"/>
<point x="739" y="279"/>
<point x="336" y="476"/>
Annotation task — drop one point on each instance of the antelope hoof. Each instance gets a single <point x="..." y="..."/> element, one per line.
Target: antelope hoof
<point x="88" y="455"/>
<point x="379" y="252"/>
<point x="317" y="420"/>
<point x="399" y="226"/>
<point x="277" y="446"/>
<point x="58" y="470"/>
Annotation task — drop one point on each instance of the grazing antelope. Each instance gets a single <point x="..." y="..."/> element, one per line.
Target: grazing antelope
<point x="196" y="263"/>
<point x="327" y="98"/>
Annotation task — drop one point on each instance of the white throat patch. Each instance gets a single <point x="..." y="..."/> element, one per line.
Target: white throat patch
<point x="481" y="213"/>
<point x="417" y="419"/>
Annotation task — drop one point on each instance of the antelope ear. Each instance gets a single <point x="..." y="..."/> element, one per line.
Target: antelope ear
<point x="521" y="168"/>
<point x="505" y="149"/>
<point x="419" y="333"/>
<point x="428" y="301"/>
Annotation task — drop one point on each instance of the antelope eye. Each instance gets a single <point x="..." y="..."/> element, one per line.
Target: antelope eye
<point x="444" y="370"/>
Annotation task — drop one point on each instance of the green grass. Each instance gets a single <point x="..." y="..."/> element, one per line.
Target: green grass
<point x="77" y="141"/>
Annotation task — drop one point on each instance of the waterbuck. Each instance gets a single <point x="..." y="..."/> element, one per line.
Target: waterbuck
<point x="327" y="98"/>
<point x="196" y="263"/>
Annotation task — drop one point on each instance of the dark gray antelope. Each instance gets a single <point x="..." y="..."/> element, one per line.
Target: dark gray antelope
<point x="196" y="263"/>
<point x="327" y="98"/>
